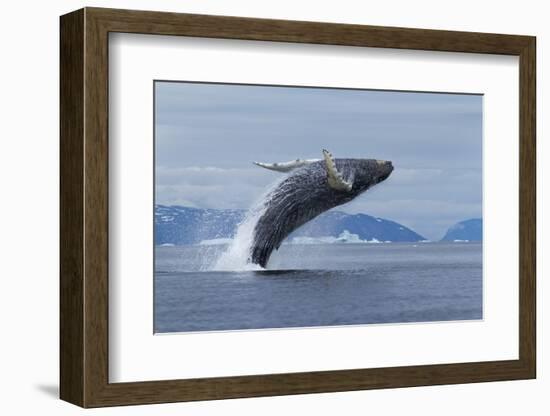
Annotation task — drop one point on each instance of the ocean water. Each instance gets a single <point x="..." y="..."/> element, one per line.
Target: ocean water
<point x="314" y="285"/>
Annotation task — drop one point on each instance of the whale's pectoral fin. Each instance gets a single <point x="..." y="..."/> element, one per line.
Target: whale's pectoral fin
<point x="335" y="178"/>
<point x="286" y="166"/>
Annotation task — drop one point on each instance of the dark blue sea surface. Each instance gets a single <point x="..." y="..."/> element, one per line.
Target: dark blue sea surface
<point x="318" y="285"/>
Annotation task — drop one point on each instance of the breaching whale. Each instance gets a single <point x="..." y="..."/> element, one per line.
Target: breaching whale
<point x="312" y="187"/>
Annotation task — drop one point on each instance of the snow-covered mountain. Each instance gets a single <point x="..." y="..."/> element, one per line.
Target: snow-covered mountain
<point x="183" y="225"/>
<point x="366" y="227"/>
<point x="468" y="230"/>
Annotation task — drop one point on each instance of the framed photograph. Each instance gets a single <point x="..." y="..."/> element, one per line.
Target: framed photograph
<point x="254" y="207"/>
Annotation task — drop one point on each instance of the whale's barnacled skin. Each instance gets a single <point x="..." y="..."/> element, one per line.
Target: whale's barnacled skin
<point x="306" y="193"/>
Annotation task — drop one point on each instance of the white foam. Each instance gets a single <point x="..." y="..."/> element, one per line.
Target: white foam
<point x="237" y="255"/>
<point x="345" y="237"/>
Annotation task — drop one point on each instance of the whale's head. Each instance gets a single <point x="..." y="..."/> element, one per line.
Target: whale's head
<point x="365" y="173"/>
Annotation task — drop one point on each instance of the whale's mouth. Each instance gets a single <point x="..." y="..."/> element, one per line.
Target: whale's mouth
<point x="384" y="177"/>
<point x="388" y="170"/>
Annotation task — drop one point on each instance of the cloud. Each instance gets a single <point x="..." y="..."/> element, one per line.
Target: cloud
<point x="211" y="187"/>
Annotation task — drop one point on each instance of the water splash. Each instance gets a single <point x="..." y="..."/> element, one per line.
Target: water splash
<point x="237" y="255"/>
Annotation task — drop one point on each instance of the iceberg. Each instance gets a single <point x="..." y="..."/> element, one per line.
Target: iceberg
<point x="345" y="237"/>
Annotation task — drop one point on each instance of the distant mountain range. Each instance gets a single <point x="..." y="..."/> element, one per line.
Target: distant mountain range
<point x="180" y="225"/>
<point x="366" y="227"/>
<point x="183" y="225"/>
<point x="468" y="230"/>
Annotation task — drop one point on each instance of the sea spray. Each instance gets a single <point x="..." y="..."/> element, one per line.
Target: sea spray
<point x="238" y="253"/>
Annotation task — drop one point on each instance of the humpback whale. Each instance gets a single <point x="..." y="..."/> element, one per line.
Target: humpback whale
<point x="312" y="187"/>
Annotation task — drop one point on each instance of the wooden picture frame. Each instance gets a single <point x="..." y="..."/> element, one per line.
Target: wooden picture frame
<point x="84" y="207"/>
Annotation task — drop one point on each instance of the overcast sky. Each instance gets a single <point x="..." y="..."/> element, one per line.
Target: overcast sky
<point x="207" y="136"/>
